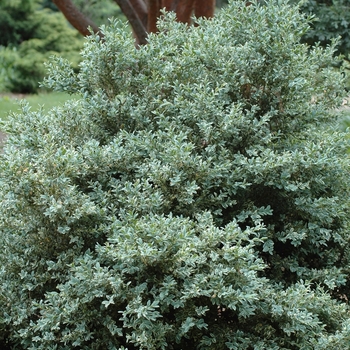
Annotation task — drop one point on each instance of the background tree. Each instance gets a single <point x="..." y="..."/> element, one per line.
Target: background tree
<point x="142" y="15"/>
<point x="15" y="21"/>
<point x="99" y="11"/>
<point x="332" y="20"/>
<point x="31" y="33"/>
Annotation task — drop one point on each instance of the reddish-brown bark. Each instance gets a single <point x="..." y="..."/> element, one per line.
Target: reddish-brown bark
<point x="77" y="19"/>
<point x="169" y="5"/>
<point x="140" y="8"/>
<point x="184" y="10"/>
<point x="140" y="31"/>
<point x="142" y="18"/>
<point x="204" y="8"/>
<point x="153" y="14"/>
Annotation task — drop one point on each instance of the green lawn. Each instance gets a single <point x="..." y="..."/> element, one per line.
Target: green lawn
<point x="47" y="100"/>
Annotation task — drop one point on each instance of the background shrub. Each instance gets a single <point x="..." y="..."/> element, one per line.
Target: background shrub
<point x="31" y="34"/>
<point x="16" y="22"/>
<point x="332" y="20"/>
<point x="195" y="197"/>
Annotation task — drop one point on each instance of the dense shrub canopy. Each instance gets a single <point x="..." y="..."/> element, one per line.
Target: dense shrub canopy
<point x="195" y="197"/>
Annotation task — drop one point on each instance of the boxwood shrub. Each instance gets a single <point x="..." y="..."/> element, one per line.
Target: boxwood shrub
<point x="195" y="196"/>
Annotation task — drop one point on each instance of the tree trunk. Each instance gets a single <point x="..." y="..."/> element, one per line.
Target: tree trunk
<point x="77" y="19"/>
<point x="153" y="14"/>
<point x="140" y="8"/>
<point x="142" y="19"/>
<point x="204" y="8"/>
<point x="130" y="13"/>
<point x="169" y="5"/>
<point x="184" y="10"/>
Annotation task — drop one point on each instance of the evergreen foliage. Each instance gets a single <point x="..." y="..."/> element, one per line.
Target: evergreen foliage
<point x="195" y="197"/>
<point x="16" y="24"/>
<point x="99" y="11"/>
<point x="332" y="20"/>
<point x="30" y="36"/>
